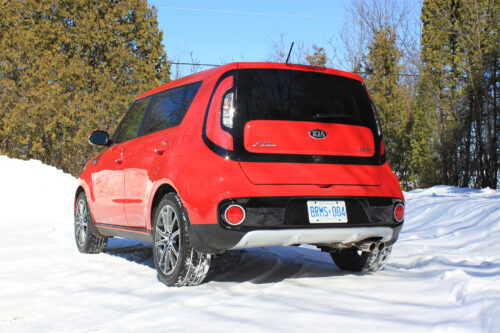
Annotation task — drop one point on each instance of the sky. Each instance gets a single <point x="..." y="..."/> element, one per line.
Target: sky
<point x="222" y="31"/>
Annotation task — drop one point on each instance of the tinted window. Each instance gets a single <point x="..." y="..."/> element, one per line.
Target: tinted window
<point x="131" y="124"/>
<point x="273" y="94"/>
<point x="170" y="107"/>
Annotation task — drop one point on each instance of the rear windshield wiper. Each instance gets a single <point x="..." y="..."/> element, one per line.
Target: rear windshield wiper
<point x="331" y="115"/>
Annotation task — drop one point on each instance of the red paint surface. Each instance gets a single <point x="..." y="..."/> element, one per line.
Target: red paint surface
<point x="292" y="137"/>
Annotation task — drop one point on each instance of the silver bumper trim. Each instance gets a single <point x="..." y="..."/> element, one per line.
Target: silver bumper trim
<point x="318" y="236"/>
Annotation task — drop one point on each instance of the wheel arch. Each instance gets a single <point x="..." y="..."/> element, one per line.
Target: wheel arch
<point x="79" y="190"/>
<point x="82" y="187"/>
<point x="158" y="194"/>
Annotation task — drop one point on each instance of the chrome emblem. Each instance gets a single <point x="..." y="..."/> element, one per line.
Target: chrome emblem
<point x="264" y="144"/>
<point x="317" y="134"/>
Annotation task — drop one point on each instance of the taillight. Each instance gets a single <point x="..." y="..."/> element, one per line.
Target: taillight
<point x="228" y="110"/>
<point x="234" y="214"/>
<point x="382" y="147"/>
<point x="399" y="212"/>
<point x="222" y="102"/>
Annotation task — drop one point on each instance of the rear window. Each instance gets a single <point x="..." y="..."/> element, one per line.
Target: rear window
<point x="277" y="94"/>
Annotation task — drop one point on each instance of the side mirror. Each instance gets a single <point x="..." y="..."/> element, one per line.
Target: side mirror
<point x="99" y="138"/>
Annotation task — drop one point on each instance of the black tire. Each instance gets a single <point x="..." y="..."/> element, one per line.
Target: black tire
<point x="87" y="238"/>
<point x="355" y="260"/>
<point x="176" y="262"/>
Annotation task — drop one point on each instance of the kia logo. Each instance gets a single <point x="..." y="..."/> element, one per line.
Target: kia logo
<point x="317" y="134"/>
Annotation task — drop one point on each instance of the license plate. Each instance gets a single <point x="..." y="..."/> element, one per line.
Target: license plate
<point x="327" y="212"/>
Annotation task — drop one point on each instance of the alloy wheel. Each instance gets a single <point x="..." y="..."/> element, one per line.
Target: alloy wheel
<point x="81" y="222"/>
<point x="167" y="240"/>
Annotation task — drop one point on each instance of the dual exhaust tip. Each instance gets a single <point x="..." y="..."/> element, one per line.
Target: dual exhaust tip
<point x="371" y="246"/>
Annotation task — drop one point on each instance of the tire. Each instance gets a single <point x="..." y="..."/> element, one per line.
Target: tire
<point x="176" y="262"/>
<point x="355" y="260"/>
<point x="87" y="238"/>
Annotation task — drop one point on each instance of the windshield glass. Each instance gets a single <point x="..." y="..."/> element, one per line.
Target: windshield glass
<point x="277" y="94"/>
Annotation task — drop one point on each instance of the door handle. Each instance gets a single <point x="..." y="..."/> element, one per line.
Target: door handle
<point x="159" y="151"/>
<point x="118" y="161"/>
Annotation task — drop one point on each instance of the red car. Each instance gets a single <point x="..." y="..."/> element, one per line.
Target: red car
<point x="239" y="156"/>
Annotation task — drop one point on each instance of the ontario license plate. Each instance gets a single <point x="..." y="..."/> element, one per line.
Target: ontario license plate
<point x="327" y="211"/>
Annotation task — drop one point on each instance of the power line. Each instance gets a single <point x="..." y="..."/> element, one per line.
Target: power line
<point x="192" y="64"/>
<point x="251" y="13"/>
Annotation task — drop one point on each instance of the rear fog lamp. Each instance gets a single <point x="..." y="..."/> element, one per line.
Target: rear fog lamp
<point x="399" y="212"/>
<point x="234" y="214"/>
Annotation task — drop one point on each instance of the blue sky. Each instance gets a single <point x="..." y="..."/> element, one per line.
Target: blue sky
<point x="221" y="31"/>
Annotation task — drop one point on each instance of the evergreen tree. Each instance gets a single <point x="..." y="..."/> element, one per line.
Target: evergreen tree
<point x="382" y="69"/>
<point x="458" y="94"/>
<point x="71" y="66"/>
<point x="318" y="58"/>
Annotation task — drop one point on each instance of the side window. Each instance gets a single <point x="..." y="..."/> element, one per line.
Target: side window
<point x="170" y="107"/>
<point x="131" y="125"/>
<point x="191" y="91"/>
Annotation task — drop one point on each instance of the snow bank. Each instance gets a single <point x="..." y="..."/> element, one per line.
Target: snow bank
<point x="443" y="275"/>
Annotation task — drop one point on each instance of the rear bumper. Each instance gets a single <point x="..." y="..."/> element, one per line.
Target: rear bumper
<point x="284" y="221"/>
<point x="324" y="236"/>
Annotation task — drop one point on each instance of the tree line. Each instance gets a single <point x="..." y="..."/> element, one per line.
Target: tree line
<point x="436" y="88"/>
<point x="70" y="66"/>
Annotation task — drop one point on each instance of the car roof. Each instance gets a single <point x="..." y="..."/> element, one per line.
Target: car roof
<point x="217" y="71"/>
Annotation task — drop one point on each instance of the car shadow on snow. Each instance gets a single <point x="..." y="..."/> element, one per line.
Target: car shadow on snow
<point x="131" y="250"/>
<point x="257" y="265"/>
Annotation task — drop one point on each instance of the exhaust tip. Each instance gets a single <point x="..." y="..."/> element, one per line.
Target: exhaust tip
<point x="381" y="246"/>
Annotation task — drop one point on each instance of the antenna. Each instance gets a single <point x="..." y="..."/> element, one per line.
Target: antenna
<point x="289" y="52"/>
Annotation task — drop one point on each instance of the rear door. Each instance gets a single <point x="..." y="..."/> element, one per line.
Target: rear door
<point x="146" y="157"/>
<point x="305" y="127"/>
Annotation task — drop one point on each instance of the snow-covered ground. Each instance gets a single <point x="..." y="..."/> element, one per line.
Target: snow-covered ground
<point x="443" y="276"/>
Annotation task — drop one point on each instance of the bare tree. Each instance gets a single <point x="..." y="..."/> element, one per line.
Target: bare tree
<point x="364" y="18"/>
<point x="279" y="51"/>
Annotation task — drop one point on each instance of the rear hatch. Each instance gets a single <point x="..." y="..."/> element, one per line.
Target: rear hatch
<point x="305" y="127"/>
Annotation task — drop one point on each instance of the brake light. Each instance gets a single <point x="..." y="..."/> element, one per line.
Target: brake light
<point x="228" y="110"/>
<point x="399" y="212"/>
<point x="382" y="147"/>
<point x="234" y="214"/>
<point x="222" y="101"/>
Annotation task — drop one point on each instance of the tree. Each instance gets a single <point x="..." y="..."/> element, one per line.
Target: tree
<point x="318" y="58"/>
<point x="382" y="67"/>
<point x="458" y="91"/>
<point x="69" y="67"/>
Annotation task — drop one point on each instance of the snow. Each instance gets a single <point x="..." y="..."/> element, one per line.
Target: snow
<point x="443" y="275"/>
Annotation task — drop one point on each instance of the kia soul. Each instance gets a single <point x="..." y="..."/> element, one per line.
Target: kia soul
<point x="239" y="156"/>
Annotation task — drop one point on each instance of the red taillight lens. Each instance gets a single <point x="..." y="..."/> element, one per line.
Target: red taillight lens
<point x="234" y="215"/>
<point x="382" y="147"/>
<point x="399" y="212"/>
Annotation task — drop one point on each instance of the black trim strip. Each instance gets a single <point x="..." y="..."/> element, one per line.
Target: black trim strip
<point x="112" y="230"/>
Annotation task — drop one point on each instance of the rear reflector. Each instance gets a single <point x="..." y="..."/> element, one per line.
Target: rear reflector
<point x="234" y="214"/>
<point x="399" y="212"/>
